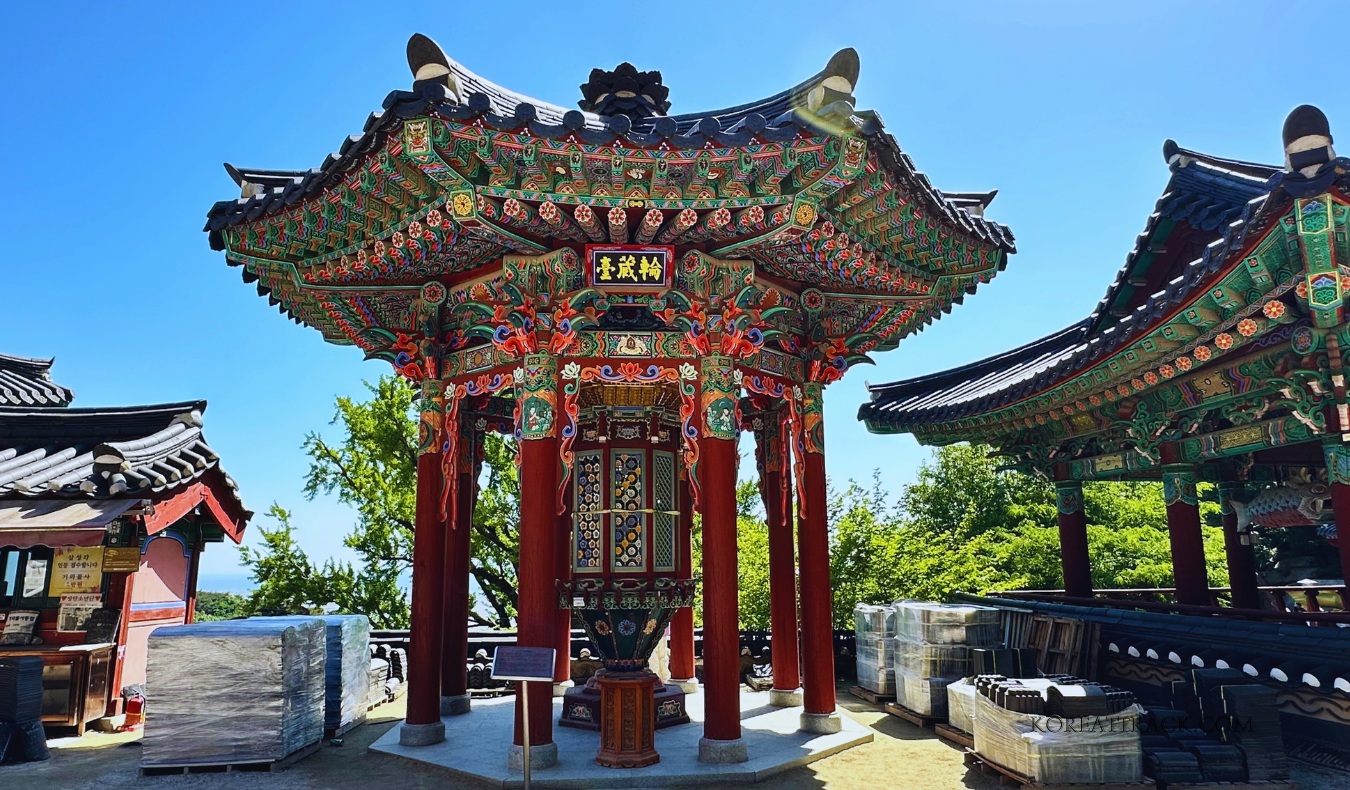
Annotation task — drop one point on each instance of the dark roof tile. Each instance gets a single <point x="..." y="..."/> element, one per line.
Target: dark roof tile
<point x="28" y="382"/>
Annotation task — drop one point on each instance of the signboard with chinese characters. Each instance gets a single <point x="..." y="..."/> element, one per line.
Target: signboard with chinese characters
<point x="629" y="266"/>
<point x="76" y="569"/>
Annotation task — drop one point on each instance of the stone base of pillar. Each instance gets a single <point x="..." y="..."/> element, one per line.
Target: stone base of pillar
<point x="722" y="752"/>
<point x="785" y="698"/>
<point x="457" y="705"/>
<point x="421" y="734"/>
<point x="821" y="723"/>
<point x="542" y="756"/>
<point x="687" y="685"/>
<point x="560" y="689"/>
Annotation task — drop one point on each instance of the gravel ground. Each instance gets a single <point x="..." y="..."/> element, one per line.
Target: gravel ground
<point x="902" y="757"/>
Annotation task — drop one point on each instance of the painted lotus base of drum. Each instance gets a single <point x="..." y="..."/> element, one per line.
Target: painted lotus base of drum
<point x="581" y="706"/>
<point x="476" y="747"/>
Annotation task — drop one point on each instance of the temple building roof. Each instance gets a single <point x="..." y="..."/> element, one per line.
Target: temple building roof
<point x="458" y="172"/>
<point x="28" y="382"/>
<point x="1178" y="289"/>
<point x="117" y="452"/>
<point x="471" y="98"/>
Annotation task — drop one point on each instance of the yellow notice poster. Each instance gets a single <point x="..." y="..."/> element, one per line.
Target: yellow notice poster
<point x="76" y="569"/>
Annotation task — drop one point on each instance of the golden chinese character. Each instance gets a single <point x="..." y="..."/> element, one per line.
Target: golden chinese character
<point x="626" y="264"/>
<point x="650" y="269"/>
<point x="605" y="270"/>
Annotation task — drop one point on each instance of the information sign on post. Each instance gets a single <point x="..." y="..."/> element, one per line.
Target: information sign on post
<point x="524" y="664"/>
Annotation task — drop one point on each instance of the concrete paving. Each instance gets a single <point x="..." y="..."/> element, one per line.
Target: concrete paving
<point x="476" y="747"/>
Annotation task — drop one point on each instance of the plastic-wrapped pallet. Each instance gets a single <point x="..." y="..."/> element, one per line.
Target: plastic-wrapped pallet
<point x="347" y="671"/>
<point x="932" y="648"/>
<point x="926" y="696"/>
<point x="927" y="623"/>
<point x="874" y="627"/>
<point x="961" y="696"/>
<point x="378" y="674"/>
<point x="233" y="691"/>
<point x="1051" y="750"/>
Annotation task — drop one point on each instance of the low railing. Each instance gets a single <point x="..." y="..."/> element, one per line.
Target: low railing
<point x="483" y="643"/>
<point x="1155" y="600"/>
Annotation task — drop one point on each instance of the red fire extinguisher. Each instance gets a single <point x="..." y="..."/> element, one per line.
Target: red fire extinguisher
<point x="135" y="709"/>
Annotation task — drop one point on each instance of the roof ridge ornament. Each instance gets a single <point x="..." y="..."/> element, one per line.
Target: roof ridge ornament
<point x="1310" y="163"/>
<point x="836" y="86"/>
<point x="1307" y="140"/>
<point x="428" y="64"/>
<point x="625" y="91"/>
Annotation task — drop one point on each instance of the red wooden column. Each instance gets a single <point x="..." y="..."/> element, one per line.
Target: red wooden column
<point x="721" y="742"/>
<point x="1241" y="555"/>
<point x="537" y="620"/>
<point x="775" y="463"/>
<point x="1073" y="541"/>
<point x="1338" y="472"/>
<point x="459" y="528"/>
<point x="814" y="552"/>
<point x="1183" y="529"/>
<point x="682" y="623"/>
<point x="562" y="666"/>
<point x="423" y="725"/>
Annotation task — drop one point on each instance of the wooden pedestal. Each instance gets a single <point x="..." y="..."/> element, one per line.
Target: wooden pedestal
<point x="628" y="719"/>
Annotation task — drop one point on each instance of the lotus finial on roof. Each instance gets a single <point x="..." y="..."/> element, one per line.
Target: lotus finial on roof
<point x="625" y="91"/>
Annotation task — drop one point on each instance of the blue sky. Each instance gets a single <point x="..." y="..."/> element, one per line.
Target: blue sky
<point x="118" y="120"/>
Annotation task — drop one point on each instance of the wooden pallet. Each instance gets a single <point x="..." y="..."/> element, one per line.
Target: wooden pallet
<point x="263" y="766"/>
<point x="913" y="717"/>
<point x="1258" y="784"/>
<point x="1009" y="777"/>
<point x="870" y="695"/>
<point x="338" y="732"/>
<point x="958" y="738"/>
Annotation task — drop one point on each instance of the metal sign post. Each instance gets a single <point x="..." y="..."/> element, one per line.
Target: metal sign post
<point x="524" y="665"/>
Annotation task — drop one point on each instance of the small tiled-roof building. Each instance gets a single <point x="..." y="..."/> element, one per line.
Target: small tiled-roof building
<point x="104" y="508"/>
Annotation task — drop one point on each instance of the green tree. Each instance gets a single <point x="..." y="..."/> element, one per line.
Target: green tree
<point x="752" y="553"/>
<point x="213" y="606"/>
<point x="373" y="468"/>
<point x="288" y="582"/>
<point x="965" y="526"/>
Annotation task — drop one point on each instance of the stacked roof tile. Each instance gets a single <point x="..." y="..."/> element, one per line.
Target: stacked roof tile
<point x="28" y="382"/>
<point x="97" y="452"/>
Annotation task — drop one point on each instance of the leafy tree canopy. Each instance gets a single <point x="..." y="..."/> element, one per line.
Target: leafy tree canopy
<point x="964" y="526"/>
<point x="219" y="606"/>
<point x="373" y="468"/>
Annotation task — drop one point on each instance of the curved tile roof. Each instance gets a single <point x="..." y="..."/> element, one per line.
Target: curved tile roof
<point x="103" y="452"/>
<point x="28" y="382"/>
<point x="1209" y="193"/>
<point x="473" y="98"/>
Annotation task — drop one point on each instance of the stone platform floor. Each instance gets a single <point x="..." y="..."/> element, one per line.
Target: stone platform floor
<point x="476" y="746"/>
